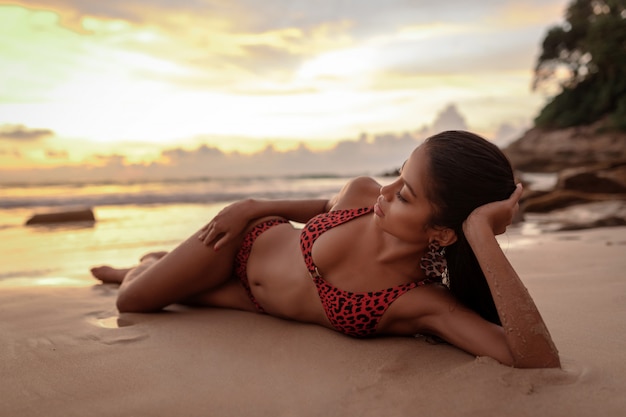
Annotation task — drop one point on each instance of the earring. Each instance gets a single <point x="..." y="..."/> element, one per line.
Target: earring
<point x="434" y="263"/>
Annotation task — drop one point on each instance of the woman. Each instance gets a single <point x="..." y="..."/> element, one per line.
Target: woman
<point x="370" y="261"/>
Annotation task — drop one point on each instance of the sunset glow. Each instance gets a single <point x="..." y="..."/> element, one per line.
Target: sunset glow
<point x="86" y="81"/>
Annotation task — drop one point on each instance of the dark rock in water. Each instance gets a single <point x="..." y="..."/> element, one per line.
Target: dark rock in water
<point x="79" y="215"/>
<point x="559" y="199"/>
<point x="607" y="180"/>
<point x="590" y="190"/>
<point x="580" y="186"/>
<point x="582" y="216"/>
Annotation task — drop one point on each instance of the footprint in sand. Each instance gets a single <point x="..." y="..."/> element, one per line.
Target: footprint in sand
<point x="119" y="330"/>
<point x="108" y="320"/>
<point x="532" y="379"/>
<point x="110" y="339"/>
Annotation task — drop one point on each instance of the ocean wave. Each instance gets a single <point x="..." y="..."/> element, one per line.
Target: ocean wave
<point x="143" y="199"/>
<point x="78" y="183"/>
<point x="168" y="192"/>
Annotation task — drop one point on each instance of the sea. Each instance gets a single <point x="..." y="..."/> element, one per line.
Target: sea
<point x="132" y="218"/>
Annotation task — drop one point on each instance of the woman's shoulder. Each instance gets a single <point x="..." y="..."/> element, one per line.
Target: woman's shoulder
<point x="358" y="192"/>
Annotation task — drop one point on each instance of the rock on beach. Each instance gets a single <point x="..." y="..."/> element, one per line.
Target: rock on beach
<point x="591" y="166"/>
<point x="553" y="150"/>
<point x="66" y="216"/>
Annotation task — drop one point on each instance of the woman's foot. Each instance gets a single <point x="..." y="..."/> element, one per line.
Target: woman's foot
<point x="108" y="274"/>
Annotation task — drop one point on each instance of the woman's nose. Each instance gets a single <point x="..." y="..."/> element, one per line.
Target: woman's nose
<point x="385" y="191"/>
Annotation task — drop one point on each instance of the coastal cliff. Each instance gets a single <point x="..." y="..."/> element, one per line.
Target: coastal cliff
<point x="590" y="163"/>
<point x="553" y="150"/>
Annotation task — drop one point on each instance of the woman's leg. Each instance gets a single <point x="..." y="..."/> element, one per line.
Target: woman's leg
<point x="189" y="271"/>
<point x="230" y="294"/>
<point x="110" y="275"/>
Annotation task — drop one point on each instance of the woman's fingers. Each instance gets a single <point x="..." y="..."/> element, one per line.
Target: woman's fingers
<point x="517" y="194"/>
<point x="207" y="233"/>
<point x="513" y="202"/>
<point x="221" y="241"/>
<point x="211" y="236"/>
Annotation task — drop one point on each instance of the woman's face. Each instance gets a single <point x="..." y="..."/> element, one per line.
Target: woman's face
<point x="402" y="208"/>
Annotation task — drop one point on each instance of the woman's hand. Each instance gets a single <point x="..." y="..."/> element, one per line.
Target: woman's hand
<point x="229" y="222"/>
<point x="497" y="215"/>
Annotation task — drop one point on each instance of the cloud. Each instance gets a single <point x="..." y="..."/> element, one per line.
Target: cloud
<point x="56" y="154"/>
<point x="509" y="132"/>
<point x="269" y="61"/>
<point x="114" y="160"/>
<point x="23" y="133"/>
<point x="449" y="119"/>
<point x="11" y="153"/>
<point x="369" y="154"/>
<point x="281" y="33"/>
<point x="71" y="12"/>
<point x="160" y="52"/>
<point x="254" y="16"/>
<point x="156" y="70"/>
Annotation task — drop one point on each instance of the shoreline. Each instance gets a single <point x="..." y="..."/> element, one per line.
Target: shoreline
<point x="121" y="235"/>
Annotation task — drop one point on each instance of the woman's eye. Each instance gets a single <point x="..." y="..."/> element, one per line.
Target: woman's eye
<point x="400" y="197"/>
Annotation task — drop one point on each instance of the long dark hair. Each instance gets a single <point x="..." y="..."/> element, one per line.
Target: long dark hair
<point x="466" y="171"/>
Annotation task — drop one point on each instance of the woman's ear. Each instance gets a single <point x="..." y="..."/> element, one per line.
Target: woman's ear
<point x="445" y="236"/>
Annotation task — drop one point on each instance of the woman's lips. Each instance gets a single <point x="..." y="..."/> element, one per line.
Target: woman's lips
<point x="377" y="210"/>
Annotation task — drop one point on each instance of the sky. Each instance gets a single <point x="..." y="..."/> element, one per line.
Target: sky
<point x="126" y="89"/>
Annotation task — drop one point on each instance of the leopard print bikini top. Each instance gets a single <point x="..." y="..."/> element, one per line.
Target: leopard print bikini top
<point x="352" y="313"/>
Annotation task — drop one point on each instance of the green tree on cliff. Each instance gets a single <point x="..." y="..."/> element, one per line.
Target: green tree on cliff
<point x="586" y="58"/>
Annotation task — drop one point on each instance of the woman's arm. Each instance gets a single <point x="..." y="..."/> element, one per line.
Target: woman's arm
<point x="299" y="211"/>
<point x="526" y="335"/>
<point x="234" y="218"/>
<point x="522" y="341"/>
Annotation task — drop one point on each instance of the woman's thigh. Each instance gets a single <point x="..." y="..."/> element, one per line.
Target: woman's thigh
<point x="190" y="269"/>
<point x="230" y="294"/>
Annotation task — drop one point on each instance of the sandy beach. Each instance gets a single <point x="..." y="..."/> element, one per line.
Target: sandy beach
<point x="67" y="352"/>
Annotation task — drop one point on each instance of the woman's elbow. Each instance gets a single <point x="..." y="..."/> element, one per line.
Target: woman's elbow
<point x="547" y="361"/>
<point x="540" y="354"/>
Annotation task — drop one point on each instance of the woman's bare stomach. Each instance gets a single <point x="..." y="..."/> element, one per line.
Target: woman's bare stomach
<point x="279" y="279"/>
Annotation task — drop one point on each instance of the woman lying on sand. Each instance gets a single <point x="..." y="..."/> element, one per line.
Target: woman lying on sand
<point x="416" y="256"/>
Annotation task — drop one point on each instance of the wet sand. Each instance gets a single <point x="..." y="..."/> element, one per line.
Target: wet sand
<point x="67" y="352"/>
